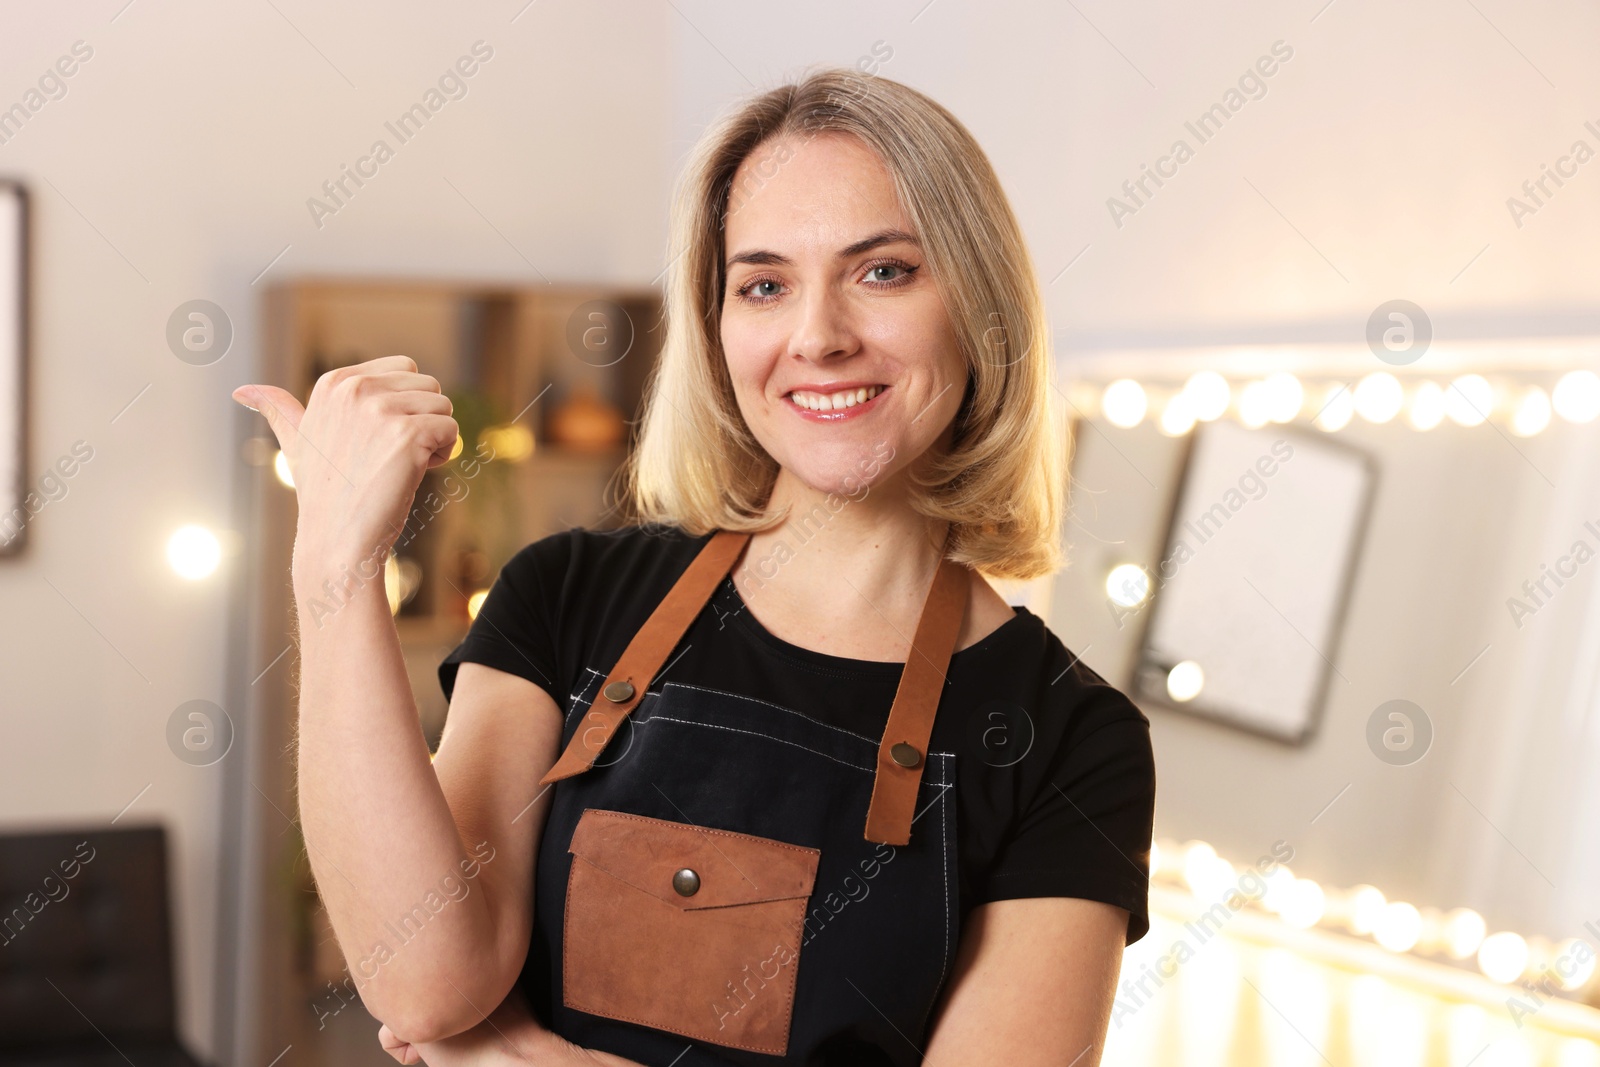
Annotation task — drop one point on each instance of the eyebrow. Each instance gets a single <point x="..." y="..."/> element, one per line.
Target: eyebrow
<point x="765" y="258"/>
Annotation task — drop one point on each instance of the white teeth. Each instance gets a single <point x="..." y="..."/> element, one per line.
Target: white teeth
<point x="849" y="398"/>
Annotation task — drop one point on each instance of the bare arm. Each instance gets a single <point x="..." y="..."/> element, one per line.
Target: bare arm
<point x="1033" y="985"/>
<point x="441" y="855"/>
<point x="425" y="867"/>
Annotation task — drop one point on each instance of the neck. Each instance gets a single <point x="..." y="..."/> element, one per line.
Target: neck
<point x="836" y="556"/>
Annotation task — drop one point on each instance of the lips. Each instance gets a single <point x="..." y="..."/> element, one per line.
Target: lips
<point x="837" y="404"/>
<point x="834" y="398"/>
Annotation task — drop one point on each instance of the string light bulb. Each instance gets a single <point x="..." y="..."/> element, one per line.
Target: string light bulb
<point x="1185" y="681"/>
<point x="1177" y="416"/>
<point x="1398" y="927"/>
<point x="1577" y="396"/>
<point x="1128" y="585"/>
<point x="1305" y="904"/>
<point x="1124" y="403"/>
<point x="1285" y="396"/>
<point x="1427" y="406"/>
<point x="1255" y="404"/>
<point x="1464" y="931"/>
<point x="193" y="552"/>
<point x="1469" y="400"/>
<point x="1532" y="412"/>
<point x="1338" y="406"/>
<point x="1366" y="907"/>
<point x="1503" y="956"/>
<point x="1379" y="396"/>
<point x="1208" y="394"/>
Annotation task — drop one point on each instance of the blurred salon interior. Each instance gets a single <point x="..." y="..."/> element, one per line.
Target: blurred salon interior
<point x="1322" y="283"/>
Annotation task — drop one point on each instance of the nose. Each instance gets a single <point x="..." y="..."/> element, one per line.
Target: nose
<point x="823" y="330"/>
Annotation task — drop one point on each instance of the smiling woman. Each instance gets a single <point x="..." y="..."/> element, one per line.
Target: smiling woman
<point x="805" y="788"/>
<point x="868" y="223"/>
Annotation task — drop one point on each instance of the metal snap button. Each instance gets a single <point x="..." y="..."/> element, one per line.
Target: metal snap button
<point x="686" y="882"/>
<point x="619" y="692"/>
<point x="904" y="754"/>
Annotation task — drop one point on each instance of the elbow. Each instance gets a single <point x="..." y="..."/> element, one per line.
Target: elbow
<point x="435" y="1020"/>
<point x="427" y="999"/>
<point x="425" y="1025"/>
<point x="431" y="1011"/>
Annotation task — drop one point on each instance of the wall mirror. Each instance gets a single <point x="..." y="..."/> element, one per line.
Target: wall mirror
<point x="1250" y="591"/>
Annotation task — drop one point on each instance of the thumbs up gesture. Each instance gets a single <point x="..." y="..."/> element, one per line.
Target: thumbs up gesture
<point x="357" y="452"/>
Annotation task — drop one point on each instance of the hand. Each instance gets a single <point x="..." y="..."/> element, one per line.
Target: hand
<point x="509" y="1036"/>
<point x="358" y="450"/>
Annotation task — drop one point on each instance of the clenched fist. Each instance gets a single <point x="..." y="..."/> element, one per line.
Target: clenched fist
<point x="357" y="452"/>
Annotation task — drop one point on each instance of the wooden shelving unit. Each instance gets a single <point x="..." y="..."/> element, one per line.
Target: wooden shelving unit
<point x="514" y="360"/>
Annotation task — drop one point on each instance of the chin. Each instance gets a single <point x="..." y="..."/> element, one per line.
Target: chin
<point x="849" y="472"/>
<point x="848" y="485"/>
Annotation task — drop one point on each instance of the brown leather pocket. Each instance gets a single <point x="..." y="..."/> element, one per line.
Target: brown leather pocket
<point x="711" y="953"/>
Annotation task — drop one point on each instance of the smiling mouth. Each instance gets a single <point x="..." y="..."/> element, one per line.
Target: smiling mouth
<point x="825" y="403"/>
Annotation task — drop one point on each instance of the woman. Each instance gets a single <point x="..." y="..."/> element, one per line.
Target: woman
<point x="692" y="773"/>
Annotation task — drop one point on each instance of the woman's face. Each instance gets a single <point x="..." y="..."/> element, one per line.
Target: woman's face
<point x="827" y="294"/>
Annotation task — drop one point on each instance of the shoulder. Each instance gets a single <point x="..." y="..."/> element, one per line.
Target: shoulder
<point x="1103" y="756"/>
<point x="1081" y="692"/>
<point x="1049" y="677"/>
<point x="1105" y="734"/>
<point x="1030" y="693"/>
<point x="1078" y="719"/>
<point x="1069" y="756"/>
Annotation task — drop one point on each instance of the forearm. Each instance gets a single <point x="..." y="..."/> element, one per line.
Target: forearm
<point x="383" y="844"/>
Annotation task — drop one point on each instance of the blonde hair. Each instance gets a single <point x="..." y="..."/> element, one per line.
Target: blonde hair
<point x="1002" y="483"/>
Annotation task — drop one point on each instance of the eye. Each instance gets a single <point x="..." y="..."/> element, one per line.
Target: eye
<point x="755" y="292"/>
<point x="906" y="271"/>
<point x="743" y="292"/>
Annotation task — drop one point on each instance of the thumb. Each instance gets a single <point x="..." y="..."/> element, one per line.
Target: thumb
<point x="279" y="406"/>
<point x="400" y="1050"/>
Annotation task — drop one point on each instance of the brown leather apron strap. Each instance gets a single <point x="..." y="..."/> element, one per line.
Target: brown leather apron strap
<point x="625" y="685"/>
<point x="901" y="752"/>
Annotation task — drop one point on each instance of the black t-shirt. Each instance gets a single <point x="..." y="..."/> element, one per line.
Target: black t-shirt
<point x="1055" y="786"/>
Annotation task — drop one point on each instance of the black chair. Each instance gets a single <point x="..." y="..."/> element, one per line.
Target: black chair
<point x="86" y="950"/>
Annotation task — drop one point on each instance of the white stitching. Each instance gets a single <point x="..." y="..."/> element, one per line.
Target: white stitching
<point x="754" y="733"/>
<point x="937" y="797"/>
<point x="578" y="695"/>
<point x="754" y="700"/>
<point x="780" y="707"/>
<point x="780" y="740"/>
<point x="944" y="816"/>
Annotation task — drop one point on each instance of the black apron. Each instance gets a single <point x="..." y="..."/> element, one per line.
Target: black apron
<point x="705" y="893"/>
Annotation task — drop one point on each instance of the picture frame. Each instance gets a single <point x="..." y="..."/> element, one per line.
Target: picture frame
<point x="14" y="336"/>
<point x="1265" y="648"/>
